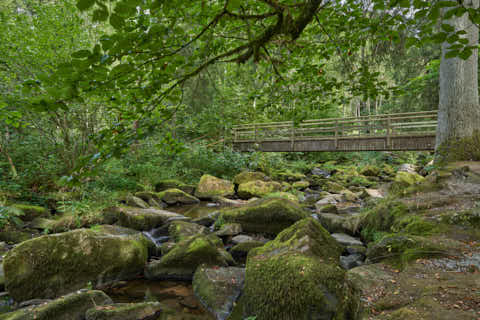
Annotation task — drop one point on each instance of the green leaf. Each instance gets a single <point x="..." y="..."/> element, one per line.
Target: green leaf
<point x="83" y="5"/>
<point x="117" y="21"/>
<point x="447" y="27"/>
<point x="100" y="15"/>
<point x="81" y="54"/>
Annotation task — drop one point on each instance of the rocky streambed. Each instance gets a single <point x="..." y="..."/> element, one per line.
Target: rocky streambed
<point x="291" y="249"/>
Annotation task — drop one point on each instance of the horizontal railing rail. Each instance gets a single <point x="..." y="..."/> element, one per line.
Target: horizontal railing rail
<point x="384" y="125"/>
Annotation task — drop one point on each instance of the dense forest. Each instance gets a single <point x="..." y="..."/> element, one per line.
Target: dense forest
<point x="119" y="175"/>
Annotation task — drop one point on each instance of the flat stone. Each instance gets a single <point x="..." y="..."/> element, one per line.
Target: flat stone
<point x="373" y="193"/>
<point x="329" y="199"/>
<point x="351" y="261"/>
<point x="218" y="288"/>
<point x="241" y="238"/>
<point x="346" y="240"/>
<point x="348" y="208"/>
<point x="229" y="229"/>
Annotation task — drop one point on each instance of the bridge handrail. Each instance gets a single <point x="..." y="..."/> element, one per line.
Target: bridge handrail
<point x="373" y="125"/>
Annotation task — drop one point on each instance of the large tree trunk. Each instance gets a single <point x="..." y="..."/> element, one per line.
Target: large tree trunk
<point x="459" y="110"/>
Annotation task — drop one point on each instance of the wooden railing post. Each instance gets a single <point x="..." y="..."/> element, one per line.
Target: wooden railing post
<point x="388" y="133"/>
<point x="235" y="135"/>
<point x="255" y="132"/>
<point x="336" y="134"/>
<point x="293" y="136"/>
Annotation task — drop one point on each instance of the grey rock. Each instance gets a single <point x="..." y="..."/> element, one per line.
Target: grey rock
<point x="346" y="240"/>
<point x="407" y="167"/>
<point x="351" y="261"/>
<point x="218" y="288"/>
<point x="320" y="172"/>
<point x="241" y="238"/>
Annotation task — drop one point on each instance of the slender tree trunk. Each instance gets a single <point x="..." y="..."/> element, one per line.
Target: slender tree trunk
<point x="459" y="109"/>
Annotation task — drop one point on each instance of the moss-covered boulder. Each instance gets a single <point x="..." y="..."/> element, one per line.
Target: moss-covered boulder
<point x="404" y="180"/>
<point x="31" y="212"/>
<point x="297" y="276"/>
<point x="210" y="187"/>
<point x="69" y="307"/>
<point x="51" y="265"/>
<point x="229" y="229"/>
<point x="289" y="176"/>
<point x="284" y="195"/>
<point x="257" y="188"/>
<point x="370" y="171"/>
<point x="247" y="176"/>
<point x="181" y="262"/>
<point x="302" y="184"/>
<point x="218" y="288"/>
<point x="142" y="219"/>
<point x="173" y="196"/>
<point x="333" y="187"/>
<point x="151" y="198"/>
<point x="136" y="202"/>
<point x="349" y="195"/>
<point x="264" y="215"/>
<point x="180" y="230"/>
<point x="174" y="184"/>
<point x="130" y="311"/>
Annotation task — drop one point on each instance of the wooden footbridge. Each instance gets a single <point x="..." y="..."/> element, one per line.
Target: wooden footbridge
<point x="386" y="132"/>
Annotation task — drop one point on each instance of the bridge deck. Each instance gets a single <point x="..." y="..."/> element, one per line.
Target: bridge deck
<point x="388" y="132"/>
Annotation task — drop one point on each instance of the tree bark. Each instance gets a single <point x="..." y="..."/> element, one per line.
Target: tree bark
<point x="459" y="110"/>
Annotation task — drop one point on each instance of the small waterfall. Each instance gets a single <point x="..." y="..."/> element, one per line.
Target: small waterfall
<point x="157" y="236"/>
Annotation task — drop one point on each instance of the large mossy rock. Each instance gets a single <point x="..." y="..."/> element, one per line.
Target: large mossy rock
<point x="180" y="230"/>
<point x="52" y="265"/>
<point x="210" y="187"/>
<point x="247" y="176"/>
<point x="404" y="180"/>
<point x="218" y="288"/>
<point x="130" y="311"/>
<point x="370" y="171"/>
<point x="257" y="188"/>
<point x="69" y="307"/>
<point x="264" y="215"/>
<point x="173" y="196"/>
<point x="297" y="276"/>
<point x="31" y="212"/>
<point x="142" y="219"/>
<point x="133" y="201"/>
<point x="181" y="262"/>
<point x="174" y="184"/>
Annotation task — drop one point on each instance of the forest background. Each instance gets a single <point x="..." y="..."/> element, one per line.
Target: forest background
<point x="103" y="141"/>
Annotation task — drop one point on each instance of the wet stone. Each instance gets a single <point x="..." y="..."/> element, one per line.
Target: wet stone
<point x="352" y="261"/>
<point x="346" y="240"/>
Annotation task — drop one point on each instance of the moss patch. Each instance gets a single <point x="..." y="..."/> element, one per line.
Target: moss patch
<point x="265" y="215"/>
<point x="49" y="266"/>
<point x="296" y="276"/>
<point x="257" y="188"/>
<point x="210" y="187"/>
<point x="182" y="261"/>
<point x="71" y="307"/>
<point x="246" y="176"/>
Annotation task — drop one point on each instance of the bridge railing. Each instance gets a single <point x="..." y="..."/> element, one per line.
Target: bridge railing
<point x="385" y="125"/>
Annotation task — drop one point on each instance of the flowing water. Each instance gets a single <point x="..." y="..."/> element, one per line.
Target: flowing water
<point x="176" y="295"/>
